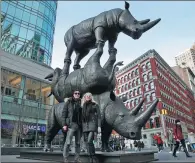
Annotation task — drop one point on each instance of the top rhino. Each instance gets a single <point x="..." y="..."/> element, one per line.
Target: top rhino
<point x="94" y="32"/>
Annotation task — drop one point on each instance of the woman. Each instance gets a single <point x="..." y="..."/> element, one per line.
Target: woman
<point x="179" y="138"/>
<point x="91" y="123"/>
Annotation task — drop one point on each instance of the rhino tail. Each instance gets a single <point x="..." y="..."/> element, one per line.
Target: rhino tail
<point x="111" y="77"/>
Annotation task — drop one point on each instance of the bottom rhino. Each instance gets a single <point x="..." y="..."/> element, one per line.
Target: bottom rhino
<point x="114" y="116"/>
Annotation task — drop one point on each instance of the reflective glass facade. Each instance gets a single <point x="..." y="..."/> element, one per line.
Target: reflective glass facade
<point x="28" y="29"/>
<point x="24" y="110"/>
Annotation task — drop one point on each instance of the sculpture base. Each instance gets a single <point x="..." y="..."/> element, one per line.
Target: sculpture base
<point x="103" y="157"/>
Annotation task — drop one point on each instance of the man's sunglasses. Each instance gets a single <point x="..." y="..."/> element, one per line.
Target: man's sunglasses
<point x="77" y="93"/>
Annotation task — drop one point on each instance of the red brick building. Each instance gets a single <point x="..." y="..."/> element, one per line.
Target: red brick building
<point x="150" y="77"/>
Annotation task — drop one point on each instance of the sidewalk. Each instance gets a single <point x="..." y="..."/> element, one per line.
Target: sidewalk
<point x="13" y="158"/>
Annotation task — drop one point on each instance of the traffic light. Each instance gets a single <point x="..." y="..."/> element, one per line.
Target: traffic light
<point x="164" y="112"/>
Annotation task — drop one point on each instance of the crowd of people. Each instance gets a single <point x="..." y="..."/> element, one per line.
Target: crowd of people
<point x="118" y="143"/>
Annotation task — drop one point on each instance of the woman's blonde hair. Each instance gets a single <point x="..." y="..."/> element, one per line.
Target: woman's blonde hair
<point x="84" y="98"/>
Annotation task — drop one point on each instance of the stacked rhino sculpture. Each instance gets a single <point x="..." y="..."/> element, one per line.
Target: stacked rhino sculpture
<point x="100" y="81"/>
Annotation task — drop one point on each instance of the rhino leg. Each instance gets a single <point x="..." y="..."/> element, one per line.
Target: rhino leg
<point x="111" y="60"/>
<point x="106" y="132"/>
<point x="79" y="56"/>
<point x="67" y="60"/>
<point x="52" y="129"/>
<point x="99" y="35"/>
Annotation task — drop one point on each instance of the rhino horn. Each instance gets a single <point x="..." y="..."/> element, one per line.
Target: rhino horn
<point x="143" y="118"/>
<point x="135" y="110"/>
<point x="142" y="22"/>
<point x="149" y="25"/>
<point x="49" y="76"/>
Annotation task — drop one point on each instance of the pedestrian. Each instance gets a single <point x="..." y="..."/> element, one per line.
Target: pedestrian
<point x="131" y="146"/>
<point x="170" y="140"/>
<point x="122" y="143"/>
<point x="159" y="142"/>
<point x="135" y="145"/>
<point x="178" y="136"/>
<point x="142" y="144"/>
<point x="139" y="145"/>
<point x="91" y="123"/>
<point x="72" y="124"/>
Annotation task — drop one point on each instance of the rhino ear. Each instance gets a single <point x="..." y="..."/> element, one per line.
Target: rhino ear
<point x="112" y="96"/>
<point x="127" y="5"/>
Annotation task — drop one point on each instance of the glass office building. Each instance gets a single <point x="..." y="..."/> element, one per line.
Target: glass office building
<point x="24" y="108"/>
<point x="27" y="42"/>
<point x="28" y="29"/>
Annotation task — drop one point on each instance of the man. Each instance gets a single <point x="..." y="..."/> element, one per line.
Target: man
<point x="72" y="125"/>
<point x="135" y="145"/>
<point x="170" y="140"/>
<point x="178" y="136"/>
<point x="139" y="145"/>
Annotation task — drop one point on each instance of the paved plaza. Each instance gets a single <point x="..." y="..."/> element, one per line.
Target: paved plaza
<point x="164" y="157"/>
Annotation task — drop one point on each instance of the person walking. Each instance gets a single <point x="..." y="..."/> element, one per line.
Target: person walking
<point x="72" y="114"/>
<point x="91" y="123"/>
<point x="170" y="140"/>
<point x="179" y="138"/>
<point x="159" y="142"/>
<point x="135" y="145"/>
<point x="139" y="145"/>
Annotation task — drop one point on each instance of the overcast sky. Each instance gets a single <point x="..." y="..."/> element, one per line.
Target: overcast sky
<point x="174" y="34"/>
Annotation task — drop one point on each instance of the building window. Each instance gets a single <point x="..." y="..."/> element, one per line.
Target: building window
<point x="122" y="80"/>
<point x="136" y="72"/>
<point x="133" y="74"/>
<point x="136" y="101"/>
<point x="127" y="95"/>
<point x="152" y="85"/>
<point x="129" y="85"/>
<point x="32" y="89"/>
<point x="145" y="77"/>
<point x="45" y="91"/>
<point x="145" y="136"/>
<point x="135" y="92"/>
<point x="122" y="88"/>
<point x="134" y="83"/>
<point x="150" y="75"/>
<point x="119" y="81"/>
<point x="129" y="76"/>
<point x="10" y="83"/>
<point x="126" y="86"/>
<point x="146" y="87"/>
<point x="148" y="65"/>
<point x="132" y="103"/>
<point x="144" y="68"/>
<point x="138" y="81"/>
<point x="139" y="90"/>
<point x="148" y="98"/>
<point x="130" y="93"/>
<point x="153" y="96"/>
<point x="157" y="122"/>
<point x="151" y="121"/>
<point x="125" y="78"/>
